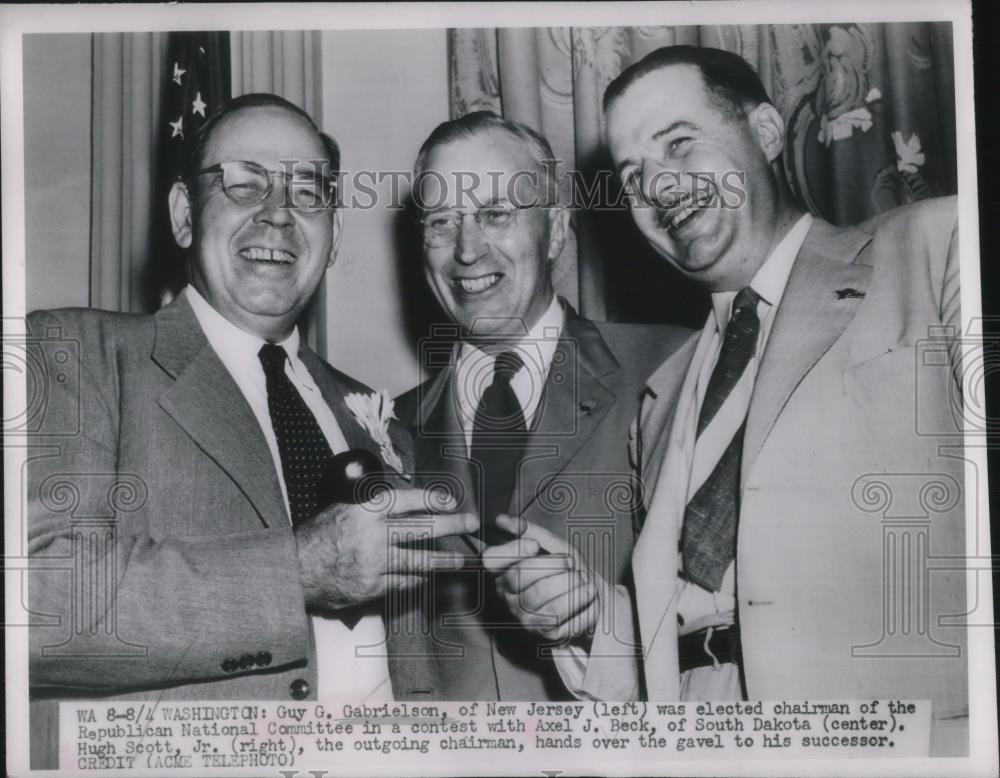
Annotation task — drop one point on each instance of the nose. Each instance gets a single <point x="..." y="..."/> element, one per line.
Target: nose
<point x="271" y="210"/>
<point x="658" y="182"/>
<point x="470" y="243"/>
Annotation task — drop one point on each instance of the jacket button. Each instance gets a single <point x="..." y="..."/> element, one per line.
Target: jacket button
<point x="229" y="665"/>
<point x="299" y="689"/>
<point x="246" y="661"/>
<point x="263" y="659"/>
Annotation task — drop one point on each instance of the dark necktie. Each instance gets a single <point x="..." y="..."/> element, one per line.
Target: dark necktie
<point x="708" y="538"/>
<point x="499" y="435"/>
<point x="301" y="443"/>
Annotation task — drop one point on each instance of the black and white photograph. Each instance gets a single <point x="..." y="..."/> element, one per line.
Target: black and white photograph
<point x="495" y="389"/>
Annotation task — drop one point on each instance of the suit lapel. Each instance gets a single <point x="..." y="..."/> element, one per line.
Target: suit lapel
<point x="439" y="439"/>
<point x="659" y="409"/>
<point x="207" y="404"/>
<point x="665" y="445"/>
<point x="809" y="319"/>
<point x="575" y="400"/>
<point x="334" y="391"/>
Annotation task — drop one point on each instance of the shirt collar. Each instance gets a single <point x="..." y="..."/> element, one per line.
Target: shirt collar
<point x="536" y="348"/>
<point x="237" y="348"/>
<point x="771" y="277"/>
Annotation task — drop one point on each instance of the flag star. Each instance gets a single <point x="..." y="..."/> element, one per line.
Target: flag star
<point x="198" y="105"/>
<point x="177" y="127"/>
<point x="178" y="72"/>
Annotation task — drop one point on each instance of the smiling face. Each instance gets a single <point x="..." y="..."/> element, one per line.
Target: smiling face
<point x="709" y="199"/>
<point x="498" y="284"/>
<point x="257" y="265"/>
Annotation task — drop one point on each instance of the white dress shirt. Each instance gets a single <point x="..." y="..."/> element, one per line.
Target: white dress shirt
<point x="342" y="674"/>
<point x="474" y="372"/>
<point x="697" y="607"/>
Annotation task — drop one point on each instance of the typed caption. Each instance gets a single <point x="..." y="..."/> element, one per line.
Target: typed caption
<point x="288" y="739"/>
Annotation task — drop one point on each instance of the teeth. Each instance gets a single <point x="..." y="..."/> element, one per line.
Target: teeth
<point x="476" y="285"/>
<point x="267" y="255"/>
<point x="682" y="217"/>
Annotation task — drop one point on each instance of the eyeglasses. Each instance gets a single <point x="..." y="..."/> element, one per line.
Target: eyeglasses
<point x="441" y="228"/>
<point x="247" y="184"/>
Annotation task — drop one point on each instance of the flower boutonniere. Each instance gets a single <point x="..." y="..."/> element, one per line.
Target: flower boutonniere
<point x="374" y="412"/>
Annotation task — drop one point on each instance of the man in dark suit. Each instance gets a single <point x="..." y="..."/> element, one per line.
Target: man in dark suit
<point x="204" y="432"/>
<point x="530" y="416"/>
<point x="789" y="449"/>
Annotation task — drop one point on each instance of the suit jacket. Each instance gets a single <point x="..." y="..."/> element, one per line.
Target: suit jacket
<point x="851" y="486"/>
<point x="158" y="468"/>
<point x="574" y="480"/>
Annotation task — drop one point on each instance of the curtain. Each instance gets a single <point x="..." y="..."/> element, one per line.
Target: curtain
<point x="869" y="111"/>
<point x="127" y="92"/>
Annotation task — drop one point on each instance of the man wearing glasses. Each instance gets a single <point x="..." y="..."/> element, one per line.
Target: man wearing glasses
<point x="530" y="417"/>
<point x="227" y="578"/>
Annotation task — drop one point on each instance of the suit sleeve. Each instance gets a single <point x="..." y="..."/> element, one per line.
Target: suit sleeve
<point x="611" y="669"/>
<point x="113" y="609"/>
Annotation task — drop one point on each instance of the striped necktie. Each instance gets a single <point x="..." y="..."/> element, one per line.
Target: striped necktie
<point x="708" y="537"/>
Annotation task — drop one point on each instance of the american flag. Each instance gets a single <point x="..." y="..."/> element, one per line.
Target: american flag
<point x="196" y="82"/>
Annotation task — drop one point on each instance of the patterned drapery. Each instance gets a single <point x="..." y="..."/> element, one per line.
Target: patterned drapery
<point x="869" y="111"/>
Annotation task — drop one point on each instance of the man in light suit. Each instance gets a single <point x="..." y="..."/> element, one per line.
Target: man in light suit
<point x="790" y="450"/>
<point x="492" y="230"/>
<point x="196" y="439"/>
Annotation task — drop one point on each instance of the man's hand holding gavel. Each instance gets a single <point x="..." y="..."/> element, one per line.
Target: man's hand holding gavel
<point x="354" y="552"/>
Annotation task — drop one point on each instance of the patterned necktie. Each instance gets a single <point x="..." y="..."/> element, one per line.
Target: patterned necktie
<point x="301" y="443"/>
<point x="499" y="435"/>
<point x="708" y="538"/>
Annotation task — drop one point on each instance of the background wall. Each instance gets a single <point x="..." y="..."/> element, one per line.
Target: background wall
<point x="383" y="93"/>
<point x="57" y="114"/>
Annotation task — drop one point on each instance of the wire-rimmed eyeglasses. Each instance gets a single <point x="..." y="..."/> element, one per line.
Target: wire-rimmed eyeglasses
<point x="247" y="184"/>
<point x="441" y="227"/>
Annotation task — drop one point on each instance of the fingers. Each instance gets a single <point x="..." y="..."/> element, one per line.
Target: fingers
<point x="453" y="524"/>
<point x="422" y="527"/>
<point x="532" y="570"/>
<point x="558" y="611"/>
<point x="403" y="501"/>
<point x="399" y="582"/>
<point x="514" y="524"/>
<point x="419" y="561"/>
<point x="496" y="559"/>
<point x="547" y="540"/>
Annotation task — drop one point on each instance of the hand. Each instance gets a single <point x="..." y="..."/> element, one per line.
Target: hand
<point x="349" y="554"/>
<point x="555" y="595"/>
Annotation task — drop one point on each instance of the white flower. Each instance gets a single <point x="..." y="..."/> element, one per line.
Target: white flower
<point x="844" y="125"/>
<point x="909" y="157"/>
<point x="374" y="412"/>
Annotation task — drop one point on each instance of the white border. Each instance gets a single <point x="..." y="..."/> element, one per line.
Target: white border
<point x="16" y="20"/>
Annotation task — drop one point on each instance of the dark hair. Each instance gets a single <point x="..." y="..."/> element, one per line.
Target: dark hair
<point x="472" y="124"/>
<point x="194" y="157"/>
<point x="729" y="78"/>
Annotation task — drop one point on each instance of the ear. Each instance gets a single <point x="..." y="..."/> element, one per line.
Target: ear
<point x="338" y="223"/>
<point x="769" y="128"/>
<point x="179" y="201"/>
<point x="558" y="230"/>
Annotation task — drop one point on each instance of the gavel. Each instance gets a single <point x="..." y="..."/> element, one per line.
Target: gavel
<point x="352" y="477"/>
<point x="357" y="475"/>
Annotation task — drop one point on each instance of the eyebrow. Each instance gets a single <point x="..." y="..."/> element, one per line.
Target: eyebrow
<point x="678" y="125"/>
<point x="492" y="202"/>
